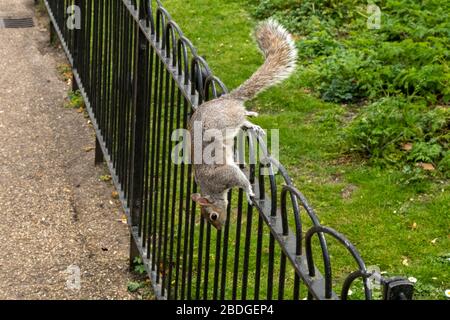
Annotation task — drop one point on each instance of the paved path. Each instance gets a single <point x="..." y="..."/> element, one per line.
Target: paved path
<point x="54" y="211"/>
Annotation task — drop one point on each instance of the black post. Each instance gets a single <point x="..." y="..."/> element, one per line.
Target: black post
<point x="75" y="55"/>
<point x="134" y="253"/>
<point x="98" y="153"/>
<point x="53" y="36"/>
<point x="137" y="165"/>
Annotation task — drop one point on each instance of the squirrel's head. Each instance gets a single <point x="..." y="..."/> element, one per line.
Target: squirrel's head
<point x="213" y="211"/>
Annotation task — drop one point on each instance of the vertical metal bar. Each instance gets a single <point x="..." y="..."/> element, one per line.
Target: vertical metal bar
<point x="123" y="92"/>
<point x="271" y="267"/>
<point x="226" y="234"/>
<point x="95" y="64"/>
<point x="138" y="127"/>
<point x="98" y="152"/>
<point x="131" y="74"/>
<point x="153" y="171"/>
<point x="198" y="272"/>
<point x="188" y="184"/>
<point x="296" y="295"/>
<point x="247" y="250"/>
<point x="282" y="276"/>
<point x="217" y="265"/>
<point x="191" y="238"/>
<point x="237" y="245"/>
<point x="207" y="259"/>
<point x="173" y="205"/>
<point x="165" y="174"/>
<point x="148" y="173"/>
<point x="76" y="49"/>
<point x="258" y="258"/>
<point x="169" y="208"/>
<point x="156" y="173"/>
<point x="159" y="176"/>
<point x="115" y="84"/>
<point x="106" y="63"/>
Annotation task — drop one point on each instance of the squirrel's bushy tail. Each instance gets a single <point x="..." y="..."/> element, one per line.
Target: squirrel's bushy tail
<point x="281" y="55"/>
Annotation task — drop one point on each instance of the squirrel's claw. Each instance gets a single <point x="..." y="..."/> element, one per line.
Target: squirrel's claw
<point x="257" y="129"/>
<point x="250" y="196"/>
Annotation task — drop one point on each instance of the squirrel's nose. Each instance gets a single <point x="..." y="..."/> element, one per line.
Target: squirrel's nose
<point x="214" y="216"/>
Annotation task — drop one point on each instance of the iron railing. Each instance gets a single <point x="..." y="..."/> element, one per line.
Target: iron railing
<point x="141" y="78"/>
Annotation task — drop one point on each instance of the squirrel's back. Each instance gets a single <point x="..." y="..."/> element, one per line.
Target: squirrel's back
<point x="281" y="55"/>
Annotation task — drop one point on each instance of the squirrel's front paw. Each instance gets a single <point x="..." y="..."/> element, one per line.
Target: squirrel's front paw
<point x="250" y="196"/>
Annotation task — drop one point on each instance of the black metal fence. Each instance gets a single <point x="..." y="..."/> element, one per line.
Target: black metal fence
<point x="141" y="78"/>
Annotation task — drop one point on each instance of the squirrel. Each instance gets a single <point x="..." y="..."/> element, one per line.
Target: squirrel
<point x="227" y="115"/>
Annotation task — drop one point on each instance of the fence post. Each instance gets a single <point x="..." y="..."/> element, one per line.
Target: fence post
<point x="76" y="46"/>
<point x="53" y="35"/>
<point x="98" y="153"/>
<point x="137" y="164"/>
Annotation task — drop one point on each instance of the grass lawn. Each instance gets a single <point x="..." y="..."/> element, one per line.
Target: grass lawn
<point x="402" y="228"/>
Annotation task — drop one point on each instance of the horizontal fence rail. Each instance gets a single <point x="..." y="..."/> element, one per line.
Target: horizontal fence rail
<point x="141" y="78"/>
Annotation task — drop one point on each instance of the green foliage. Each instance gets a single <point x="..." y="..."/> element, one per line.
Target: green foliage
<point x="134" y="286"/>
<point x="139" y="266"/>
<point x="400" y="70"/>
<point x="383" y="127"/>
<point x="345" y="61"/>
<point x="74" y="100"/>
<point x="105" y="178"/>
<point x="444" y="165"/>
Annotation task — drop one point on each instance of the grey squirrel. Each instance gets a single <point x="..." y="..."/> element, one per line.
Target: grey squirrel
<point x="227" y="115"/>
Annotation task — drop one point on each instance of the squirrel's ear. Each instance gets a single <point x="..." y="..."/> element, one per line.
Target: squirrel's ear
<point x="200" y="200"/>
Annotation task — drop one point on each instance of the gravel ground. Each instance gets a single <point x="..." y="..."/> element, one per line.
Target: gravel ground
<point x="55" y="212"/>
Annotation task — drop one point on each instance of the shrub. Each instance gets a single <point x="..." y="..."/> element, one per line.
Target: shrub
<point x="409" y="55"/>
<point x="401" y="73"/>
<point x="395" y="131"/>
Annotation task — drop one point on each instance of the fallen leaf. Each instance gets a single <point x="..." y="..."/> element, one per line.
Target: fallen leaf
<point x="407" y="146"/>
<point x="115" y="195"/>
<point x="434" y="240"/>
<point x="405" y="262"/>
<point x="124" y="219"/>
<point x="88" y="149"/>
<point x="105" y="178"/>
<point x="414" y="226"/>
<point x="426" y="166"/>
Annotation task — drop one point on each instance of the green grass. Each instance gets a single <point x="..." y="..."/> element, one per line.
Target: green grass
<point x="379" y="215"/>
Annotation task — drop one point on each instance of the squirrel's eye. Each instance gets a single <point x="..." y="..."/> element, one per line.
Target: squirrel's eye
<point x="213" y="216"/>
